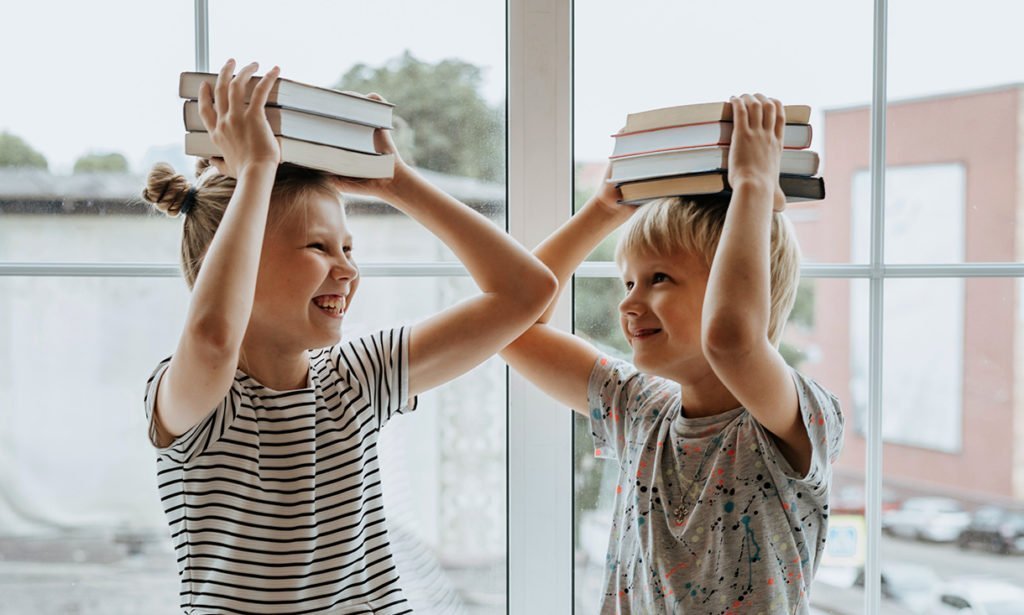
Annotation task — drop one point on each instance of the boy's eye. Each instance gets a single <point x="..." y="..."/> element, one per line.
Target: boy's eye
<point x="629" y="286"/>
<point x="658" y="277"/>
<point x="318" y="246"/>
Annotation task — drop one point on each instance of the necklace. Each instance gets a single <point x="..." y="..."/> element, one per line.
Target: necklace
<point x="681" y="511"/>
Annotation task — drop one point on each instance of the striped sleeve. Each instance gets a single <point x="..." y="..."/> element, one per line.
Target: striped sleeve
<point x="203" y="434"/>
<point x="379" y="365"/>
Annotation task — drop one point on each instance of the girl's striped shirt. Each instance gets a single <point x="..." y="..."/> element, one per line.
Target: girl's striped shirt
<point x="274" y="499"/>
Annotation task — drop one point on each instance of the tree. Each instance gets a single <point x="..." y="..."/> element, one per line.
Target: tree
<point x="101" y="163"/>
<point x="14" y="152"/>
<point x="444" y="123"/>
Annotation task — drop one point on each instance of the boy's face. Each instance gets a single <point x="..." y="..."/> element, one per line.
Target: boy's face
<point x="661" y="312"/>
<point x="306" y="267"/>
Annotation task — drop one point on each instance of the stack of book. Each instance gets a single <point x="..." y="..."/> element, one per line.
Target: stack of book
<point x="316" y="127"/>
<point x="684" y="151"/>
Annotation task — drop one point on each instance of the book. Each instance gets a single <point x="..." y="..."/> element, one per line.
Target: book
<point x="700" y="113"/>
<point x="700" y="159"/>
<point x="715" y="184"/>
<point x="304" y="126"/>
<point x="289" y="94"/>
<point x="796" y="136"/>
<point x="313" y="155"/>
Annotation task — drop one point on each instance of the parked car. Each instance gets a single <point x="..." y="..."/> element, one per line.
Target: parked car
<point x="914" y="586"/>
<point x="995" y="529"/>
<point x="981" y="596"/>
<point x="930" y="518"/>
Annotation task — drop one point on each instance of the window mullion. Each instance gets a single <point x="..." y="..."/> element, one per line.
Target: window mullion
<point x="540" y="464"/>
<point x="873" y="503"/>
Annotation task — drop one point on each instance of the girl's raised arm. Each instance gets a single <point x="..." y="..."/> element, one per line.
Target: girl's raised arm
<point x="203" y="365"/>
<point x="516" y="287"/>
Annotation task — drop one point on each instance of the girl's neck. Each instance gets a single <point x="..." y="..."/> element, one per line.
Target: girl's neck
<point x="274" y="370"/>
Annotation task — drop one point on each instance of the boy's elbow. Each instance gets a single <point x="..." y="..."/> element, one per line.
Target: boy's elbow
<point x="724" y="336"/>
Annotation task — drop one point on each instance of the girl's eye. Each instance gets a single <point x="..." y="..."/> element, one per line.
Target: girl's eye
<point x="318" y="246"/>
<point x="629" y="286"/>
<point x="658" y="277"/>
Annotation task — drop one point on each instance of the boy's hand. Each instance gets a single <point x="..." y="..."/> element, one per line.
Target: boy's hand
<point x="382" y="188"/>
<point x="756" y="150"/>
<point x="240" y="131"/>
<point x="608" y="196"/>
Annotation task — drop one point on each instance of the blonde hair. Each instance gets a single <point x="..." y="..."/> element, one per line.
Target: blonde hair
<point x="166" y="190"/>
<point x="665" y="226"/>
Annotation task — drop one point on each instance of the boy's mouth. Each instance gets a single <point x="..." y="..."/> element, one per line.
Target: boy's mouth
<point x="332" y="305"/>
<point x="639" y="334"/>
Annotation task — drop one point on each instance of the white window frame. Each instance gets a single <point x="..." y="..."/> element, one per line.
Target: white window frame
<point x="540" y="182"/>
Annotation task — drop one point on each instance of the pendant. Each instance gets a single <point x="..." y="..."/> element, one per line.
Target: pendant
<point x="680" y="514"/>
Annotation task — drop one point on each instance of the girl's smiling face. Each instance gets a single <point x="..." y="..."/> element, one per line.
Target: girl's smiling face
<point x="307" y="277"/>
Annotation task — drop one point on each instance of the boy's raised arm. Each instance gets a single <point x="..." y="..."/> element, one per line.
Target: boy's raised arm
<point x="555" y="361"/>
<point x="736" y="303"/>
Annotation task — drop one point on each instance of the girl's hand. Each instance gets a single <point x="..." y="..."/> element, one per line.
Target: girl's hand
<point x="381" y="188"/>
<point x="240" y="131"/>
<point x="756" y="150"/>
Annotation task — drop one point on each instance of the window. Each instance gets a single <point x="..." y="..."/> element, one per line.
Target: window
<point x="909" y="310"/>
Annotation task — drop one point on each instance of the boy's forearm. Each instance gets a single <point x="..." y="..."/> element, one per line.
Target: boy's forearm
<point x="568" y="247"/>
<point x="737" y="301"/>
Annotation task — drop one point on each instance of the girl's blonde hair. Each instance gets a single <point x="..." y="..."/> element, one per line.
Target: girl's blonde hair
<point x="665" y="226"/>
<point x="166" y="190"/>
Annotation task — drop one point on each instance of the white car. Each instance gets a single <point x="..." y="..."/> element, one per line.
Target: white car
<point x="982" y="596"/>
<point x="936" y="519"/>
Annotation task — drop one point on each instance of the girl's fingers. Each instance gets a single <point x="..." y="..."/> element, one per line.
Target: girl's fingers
<point x="238" y="87"/>
<point x="780" y="119"/>
<point x="206" y="111"/>
<point x="739" y="114"/>
<point x="754" y="111"/>
<point x="220" y="90"/>
<point x="262" y="90"/>
<point x="768" y="112"/>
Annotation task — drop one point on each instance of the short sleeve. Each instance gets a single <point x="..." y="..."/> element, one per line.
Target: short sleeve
<point x="823" y="419"/>
<point x="379" y="365"/>
<point x="203" y="434"/>
<point x="623" y="405"/>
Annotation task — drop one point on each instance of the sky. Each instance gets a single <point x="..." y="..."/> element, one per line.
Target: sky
<point x="113" y="86"/>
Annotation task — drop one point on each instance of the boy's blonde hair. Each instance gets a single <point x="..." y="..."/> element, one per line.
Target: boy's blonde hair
<point x="665" y="226"/>
<point x="166" y="190"/>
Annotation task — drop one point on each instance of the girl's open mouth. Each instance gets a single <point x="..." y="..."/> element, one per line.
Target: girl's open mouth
<point x="332" y="305"/>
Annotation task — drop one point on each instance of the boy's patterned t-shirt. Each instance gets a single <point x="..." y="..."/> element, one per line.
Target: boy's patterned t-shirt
<point x="709" y="516"/>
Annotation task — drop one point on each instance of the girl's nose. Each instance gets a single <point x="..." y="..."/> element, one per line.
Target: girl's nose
<point x="345" y="269"/>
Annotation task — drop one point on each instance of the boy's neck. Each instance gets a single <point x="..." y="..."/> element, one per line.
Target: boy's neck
<point x="703" y="394"/>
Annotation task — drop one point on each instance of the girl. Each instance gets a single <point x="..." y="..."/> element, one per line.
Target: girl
<point x="266" y="458"/>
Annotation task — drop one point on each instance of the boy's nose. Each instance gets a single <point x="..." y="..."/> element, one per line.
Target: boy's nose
<point x="630" y="306"/>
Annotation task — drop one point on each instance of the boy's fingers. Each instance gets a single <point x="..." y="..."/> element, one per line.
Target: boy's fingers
<point x="206" y="111"/>
<point x="238" y="87"/>
<point x="262" y="90"/>
<point x="220" y="90"/>
<point x="768" y="111"/>
<point x="780" y="119"/>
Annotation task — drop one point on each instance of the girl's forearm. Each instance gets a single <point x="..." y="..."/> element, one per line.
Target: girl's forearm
<point x="223" y="294"/>
<point x="497" y="264"/>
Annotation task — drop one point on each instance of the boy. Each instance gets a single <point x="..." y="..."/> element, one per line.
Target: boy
<point x="723" y="449"/>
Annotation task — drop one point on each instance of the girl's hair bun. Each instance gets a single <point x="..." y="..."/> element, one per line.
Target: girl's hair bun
<point x="165" y="189"/>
